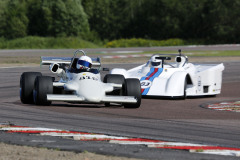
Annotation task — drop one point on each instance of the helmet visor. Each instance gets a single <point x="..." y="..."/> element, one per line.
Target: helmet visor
<point x="84" y="63"/>
<point x="155" y="63"/>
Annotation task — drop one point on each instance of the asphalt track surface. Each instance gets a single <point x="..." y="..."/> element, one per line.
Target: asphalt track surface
<point x="167" y="120"/>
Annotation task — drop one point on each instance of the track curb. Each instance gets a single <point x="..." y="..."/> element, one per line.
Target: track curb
<point x="151" y="143"/>
<point x="232" y="106"/>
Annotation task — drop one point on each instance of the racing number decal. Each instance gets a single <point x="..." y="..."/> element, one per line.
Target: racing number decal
<point x="146" y="84"/>
<point x="154" y="72"/>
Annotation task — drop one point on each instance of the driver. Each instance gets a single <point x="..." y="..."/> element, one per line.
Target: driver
<point x="156" y="63"/>
<point x="84" y="62"/>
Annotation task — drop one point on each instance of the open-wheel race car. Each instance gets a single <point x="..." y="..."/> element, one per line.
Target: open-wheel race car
<point x="80" y="82"/>
<point x="179" y="79"/>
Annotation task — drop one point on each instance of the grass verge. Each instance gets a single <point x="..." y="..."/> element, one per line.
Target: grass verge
<point x="197" y="56"/>
<point x="216" y="53"/>
<point x="33" y="42"/>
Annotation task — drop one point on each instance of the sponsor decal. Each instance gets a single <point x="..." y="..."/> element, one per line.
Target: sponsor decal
<point x="88" y="77"/>
<point x="199" y="83"/>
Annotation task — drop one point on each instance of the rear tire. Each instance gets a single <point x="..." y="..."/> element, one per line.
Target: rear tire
<point x="27" y="85"/>
<point x="43" y="86"/>
<point x="133" y="88"/>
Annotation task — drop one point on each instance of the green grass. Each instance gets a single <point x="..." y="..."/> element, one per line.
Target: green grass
<point x="199" y="53"/>
<point x="32" y="42"/>
<point x="216" y="53"/>
<point x="139" y="42"/>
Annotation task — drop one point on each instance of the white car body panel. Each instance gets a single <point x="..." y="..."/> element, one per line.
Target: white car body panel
<point x="85" y="86"/>
<point x="202" y="79"/>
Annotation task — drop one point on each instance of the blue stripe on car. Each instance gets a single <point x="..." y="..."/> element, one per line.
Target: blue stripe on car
<point x="148" y="74"/>
<point x="151" y="78"/>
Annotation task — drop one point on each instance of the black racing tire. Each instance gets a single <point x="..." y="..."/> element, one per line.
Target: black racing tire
<point x="27" y="85"/>
<point x="133" y="88"/>
<point x="114" y="78"/>
<point x="43" y="85"/>
<point x="117" y="79"/>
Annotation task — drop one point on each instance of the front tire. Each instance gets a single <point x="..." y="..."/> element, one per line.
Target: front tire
<point x="117" y="79"/>
<point x="27" y="85"/>
<point x="133" y="88"/>
<point x="43" y="86"/>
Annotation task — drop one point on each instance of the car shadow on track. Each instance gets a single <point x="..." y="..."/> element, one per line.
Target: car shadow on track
<point x="68" y="105"/>
<point x="176" y="98"/>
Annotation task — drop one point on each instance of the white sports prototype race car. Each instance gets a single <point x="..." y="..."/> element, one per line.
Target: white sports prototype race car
<point x="80" y="82"/>
<point x="175" y="80"/>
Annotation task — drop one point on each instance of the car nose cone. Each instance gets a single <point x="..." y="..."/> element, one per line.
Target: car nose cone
<point x="91" y="90"/>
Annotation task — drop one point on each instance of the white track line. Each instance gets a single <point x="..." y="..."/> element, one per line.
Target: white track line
<point x="28" y="129"/>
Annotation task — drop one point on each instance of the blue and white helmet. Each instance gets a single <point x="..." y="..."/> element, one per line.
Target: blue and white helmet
<point x="84" y="62"/>
<point x="156" y="63"/>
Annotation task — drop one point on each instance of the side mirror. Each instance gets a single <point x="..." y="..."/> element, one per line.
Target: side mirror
<point x="168" y="58"/>
<point x="54" y="67"/>
<point x="178" y="59"/>
<point x="105" y="69"/>
<point x="164" y="58"/>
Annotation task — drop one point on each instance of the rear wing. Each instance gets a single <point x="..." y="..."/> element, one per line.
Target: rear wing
<point x="66" y="60"/>
<point x="59" y="60"/>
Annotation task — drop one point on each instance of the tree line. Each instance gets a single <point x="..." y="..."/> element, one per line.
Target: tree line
<point x="209" y="21"/>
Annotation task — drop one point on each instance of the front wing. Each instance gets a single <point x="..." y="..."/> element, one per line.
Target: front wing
<point x="106" y="99"/>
